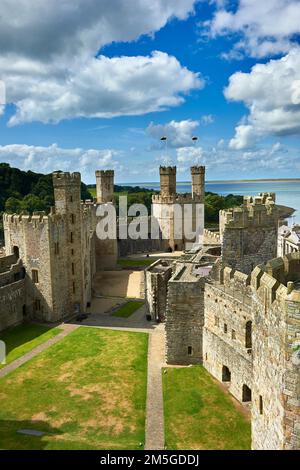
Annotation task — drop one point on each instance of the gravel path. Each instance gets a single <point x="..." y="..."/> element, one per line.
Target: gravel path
<point x="155" y="439"/>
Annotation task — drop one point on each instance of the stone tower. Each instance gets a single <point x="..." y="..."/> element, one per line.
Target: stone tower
<point x="68" y="204"/>
<point x="167" y="181"/>
<point x="249" y="233"/>
<point x="105" y="186"/>
<point x="198" y="183"/>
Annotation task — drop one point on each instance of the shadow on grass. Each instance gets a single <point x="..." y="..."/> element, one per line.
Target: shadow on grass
<point x="21" y="334"/>
<point x="12" y="439"/>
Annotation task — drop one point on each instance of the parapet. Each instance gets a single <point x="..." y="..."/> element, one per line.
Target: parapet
<point x="256" y="211"/>
<point x="104" y="173"/>
<point x="278" y="279"/>
<point x="196" y="170"/>
<point x="167" y="170"/>
<point x="61" y="178"/>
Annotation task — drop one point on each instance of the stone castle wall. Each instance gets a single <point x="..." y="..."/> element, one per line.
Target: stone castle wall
<point x="185" y="317"/>
<point x="12" y="292"/>
<point x="227" y="313"/>
<point x="276" y="364"/>
<point x="249" y="233"/>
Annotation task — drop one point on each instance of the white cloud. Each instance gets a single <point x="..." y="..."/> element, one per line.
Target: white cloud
<point x="266" y="27"/>
<point x="271" y="92"/>
<point x="207" y="119"/>
<point x="102" y="87"/>
<point x="189" y="156"/>
<point x="48" y="58"/>
<point x="178" y="133"/>
<point x="52" y="158"/>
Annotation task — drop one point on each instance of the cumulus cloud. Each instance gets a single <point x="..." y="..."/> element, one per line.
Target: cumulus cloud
<point x="178" y="133"/>
<point x="192" y="155"/>
<point x="50" y="64"/>
<point x="264" y="27"/>
<point x="103" y="87"/>
<point x="271" y="92"/>
<point x="52" y="158"/>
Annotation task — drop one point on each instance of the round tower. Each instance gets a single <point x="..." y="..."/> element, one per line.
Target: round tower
<point x="105" y="186"/>
<point x="167" y="180"/>
<point x="198" y="182"/>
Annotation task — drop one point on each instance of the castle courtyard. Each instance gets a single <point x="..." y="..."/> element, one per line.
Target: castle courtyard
<point x="108" y="400"/>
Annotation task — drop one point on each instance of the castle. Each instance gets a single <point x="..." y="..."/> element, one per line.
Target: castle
<point x="228" y="303"/>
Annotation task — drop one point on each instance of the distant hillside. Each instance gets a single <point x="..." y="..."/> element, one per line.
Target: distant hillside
<point x="26" y="191"/>
<point x="22" y="191"/>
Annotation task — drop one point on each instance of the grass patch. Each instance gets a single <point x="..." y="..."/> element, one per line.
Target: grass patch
<point x="133" y="263"/>
<point x="128" y="309"/>
<point x="199" y="415"/>
<point x="86" y="392"/>
<point x="23" y="338"/>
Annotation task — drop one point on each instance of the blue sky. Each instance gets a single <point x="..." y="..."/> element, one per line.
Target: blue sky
<point x="92" y="85"/>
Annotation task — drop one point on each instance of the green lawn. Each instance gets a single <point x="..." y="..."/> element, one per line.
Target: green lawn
<point x="23" y="338"/>
<point x="134" y="263"/>
<point x="128" y="309"/>
<point x="199" y="415"/>
<point x="87" y="391"/>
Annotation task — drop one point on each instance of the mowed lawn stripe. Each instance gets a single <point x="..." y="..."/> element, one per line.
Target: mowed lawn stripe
<point x="199" y="415"/>
<point x="87" y="391"/>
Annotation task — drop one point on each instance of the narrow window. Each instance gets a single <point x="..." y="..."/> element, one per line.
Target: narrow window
<point x="71" y="198"/>
<point x="190" y="350"/>
<point x="74" y="290"/>
<point x="37" y="305"/>
<point x="261" y="405"/>
<point x="246" y="393"/>
<point x="233" y="335"/>
<point x="248" y="335"/>
<point x="56" y="248"/>
<point x="73" y="269"/>
<point x="35" y="276"/>
<point x="72" y="219"/>
<point x="72" y="252"/>
<point x="226" y="374"/>
<point x="225" y="328"/>
<point x="71" y="237"/>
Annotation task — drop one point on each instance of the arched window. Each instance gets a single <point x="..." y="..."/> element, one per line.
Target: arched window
<point x="248" y="335"/>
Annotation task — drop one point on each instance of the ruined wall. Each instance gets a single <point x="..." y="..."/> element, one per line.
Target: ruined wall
<point x="156" y="288"/>
<point x="185" y="317"/>
<point x="276" y="359"/>
<point x="227" y="311"/>
<point x="249" y="233"/>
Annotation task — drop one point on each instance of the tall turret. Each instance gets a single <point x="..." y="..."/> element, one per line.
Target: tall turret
<point x="167" y="180"/>
<point x="105" y="186"/>
<point x="66" y="192"/>
<point x="198" y="183"/>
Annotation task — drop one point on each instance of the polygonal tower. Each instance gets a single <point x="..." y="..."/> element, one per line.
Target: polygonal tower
<point x="105" y="186"/>
<point x="68" y="204"/>
<point x="198" y="183"/>
<point x="167" y="180"/>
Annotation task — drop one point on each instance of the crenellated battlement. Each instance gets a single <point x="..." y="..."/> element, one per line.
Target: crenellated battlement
<point x="278" y="279"/>
<point x="103" y="173"/>
<point x="196" y="170"/>
<point x="61" y="178"/>
<point x="167" y="170"/>
<point x="256" y="211"/>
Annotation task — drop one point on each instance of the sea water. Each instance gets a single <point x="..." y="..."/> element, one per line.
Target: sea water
<point x="287" y="192"/>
